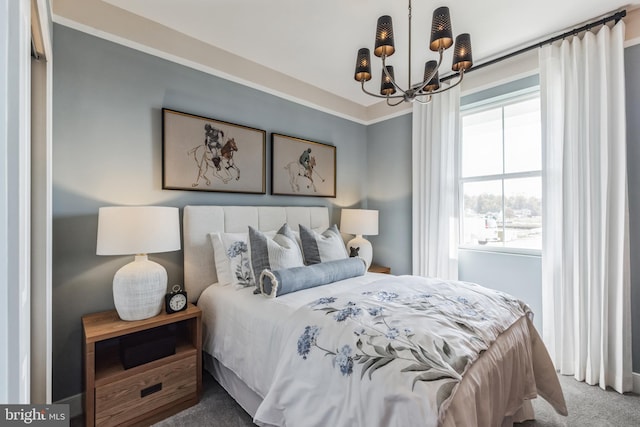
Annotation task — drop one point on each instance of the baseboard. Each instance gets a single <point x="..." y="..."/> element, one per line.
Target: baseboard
<point x="636" y="382"/>
<point x="75" y="404"/>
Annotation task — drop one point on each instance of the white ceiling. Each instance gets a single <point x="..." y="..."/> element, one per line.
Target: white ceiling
<point x="316" y="41"/>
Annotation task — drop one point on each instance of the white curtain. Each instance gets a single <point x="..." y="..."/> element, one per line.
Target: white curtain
<point x="434" y="207"/>
<point x="585" y="261"/>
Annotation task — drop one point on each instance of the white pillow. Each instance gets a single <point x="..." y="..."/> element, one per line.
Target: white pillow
<point x="274" y="252"/>
<point x="232" y="259"/>
<point x="322" y="247"/>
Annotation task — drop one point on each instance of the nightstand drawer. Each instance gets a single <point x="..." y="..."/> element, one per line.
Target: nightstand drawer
<point x="123" y="400"/>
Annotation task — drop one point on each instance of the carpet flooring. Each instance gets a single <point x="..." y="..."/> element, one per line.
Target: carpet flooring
<point x="587" y="405"/>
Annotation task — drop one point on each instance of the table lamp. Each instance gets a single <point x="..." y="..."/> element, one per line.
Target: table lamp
<point x="360" y="222"/>
<point x="138" y="287"/>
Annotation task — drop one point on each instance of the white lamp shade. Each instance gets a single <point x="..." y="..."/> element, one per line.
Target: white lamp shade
<point x="359" y="222"/>
<point x="129" y="230"/>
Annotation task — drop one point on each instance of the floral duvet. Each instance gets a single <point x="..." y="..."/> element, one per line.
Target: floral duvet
<point x="390" y="353"/>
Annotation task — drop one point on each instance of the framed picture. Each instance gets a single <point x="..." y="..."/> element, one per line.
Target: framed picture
<point x="301" y="167"/>
<point x="204" y="154"/>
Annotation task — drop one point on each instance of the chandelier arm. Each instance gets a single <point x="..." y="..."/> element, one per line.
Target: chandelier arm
<point x="393" y="105"/>
<point x="379" y="96"/>
<point x="391" y="79"/>
<point x="423" y="102"/>
<point x="447" y="88"/>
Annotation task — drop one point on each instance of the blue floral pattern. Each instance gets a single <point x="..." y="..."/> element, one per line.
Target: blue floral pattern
<point x="375" y="311"/>
<point x="344" y="360"/>
<point x="349" y="311"/>
<point x="408" y="340"/>
<point x="323" y="301"/>
<point x="243" y="268"/>
<point x="307" y="339"/>
<point x="382" y="337"/>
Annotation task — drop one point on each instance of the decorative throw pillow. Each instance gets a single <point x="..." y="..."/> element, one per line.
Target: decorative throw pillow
<point x="232" y="259"/>
<point x="284" y="281"/>
<point x="274" y="253"/>
<point x="322" y="247"/>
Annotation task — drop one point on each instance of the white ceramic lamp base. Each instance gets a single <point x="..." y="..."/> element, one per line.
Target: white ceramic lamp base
<point x="139" y="288"/>
<point x="366" y="250"/>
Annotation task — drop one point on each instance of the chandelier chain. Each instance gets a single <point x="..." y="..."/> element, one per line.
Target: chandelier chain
<point x="409" y="80"/>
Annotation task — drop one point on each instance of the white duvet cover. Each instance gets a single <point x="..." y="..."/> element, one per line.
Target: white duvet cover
<point x="244" y="331"/>
<point x="375" y="350"/>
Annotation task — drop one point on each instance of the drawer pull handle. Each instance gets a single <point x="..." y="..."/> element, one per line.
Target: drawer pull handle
<point x="150" y="390"/>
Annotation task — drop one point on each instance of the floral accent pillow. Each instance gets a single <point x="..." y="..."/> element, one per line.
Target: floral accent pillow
<point x="232" y="259"/>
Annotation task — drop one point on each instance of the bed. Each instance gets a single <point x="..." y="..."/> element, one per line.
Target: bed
<point x="276" y="358"/>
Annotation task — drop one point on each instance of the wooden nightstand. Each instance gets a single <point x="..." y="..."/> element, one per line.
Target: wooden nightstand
<point x="374" y="268"/>
<point x="149" y="392"/>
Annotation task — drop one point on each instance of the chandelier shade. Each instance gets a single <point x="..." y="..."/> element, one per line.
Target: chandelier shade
<point x="363" y="65"/>
<point x="386" y="86"/>
<point x="440" y="40"/>
<point x="433" y="84"/>
<point x="462" y="59"/>
<point x="441" y="32"/>
<point x="384" y="37"/>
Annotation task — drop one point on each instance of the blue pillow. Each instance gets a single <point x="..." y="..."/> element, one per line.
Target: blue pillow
<point x="280" y="251"/>
<point x="317" y="247"/>
<point x="280" y="282"/>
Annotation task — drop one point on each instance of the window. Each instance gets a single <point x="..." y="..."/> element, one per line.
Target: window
<point x="500" y="174"/>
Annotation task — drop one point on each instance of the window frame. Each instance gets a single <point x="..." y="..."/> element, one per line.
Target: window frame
<point x="478" y="107"/>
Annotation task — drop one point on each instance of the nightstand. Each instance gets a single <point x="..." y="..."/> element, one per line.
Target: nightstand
<point x="150" y="391"/>
<point x="374" y="268"/>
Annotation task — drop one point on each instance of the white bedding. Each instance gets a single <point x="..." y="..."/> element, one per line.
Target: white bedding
<point x="246" y="333"/>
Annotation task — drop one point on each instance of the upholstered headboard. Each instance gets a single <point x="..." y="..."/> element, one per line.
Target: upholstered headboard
<point x="199" y="221"/>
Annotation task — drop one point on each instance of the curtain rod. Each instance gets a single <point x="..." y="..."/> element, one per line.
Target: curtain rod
<point x="616" y="16"/>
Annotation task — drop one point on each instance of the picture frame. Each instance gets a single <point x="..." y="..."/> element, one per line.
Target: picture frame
<point x="204" y="154"/>
<point x="300" y="167"/>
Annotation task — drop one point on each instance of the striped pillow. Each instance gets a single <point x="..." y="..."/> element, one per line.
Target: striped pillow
<point x="281" y="251"/>
<point x="317" y="247"/>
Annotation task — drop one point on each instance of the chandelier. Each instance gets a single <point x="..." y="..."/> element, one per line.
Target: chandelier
<point x="441" y="39"/>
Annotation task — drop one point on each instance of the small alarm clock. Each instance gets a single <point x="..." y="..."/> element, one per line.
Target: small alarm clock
<point x="176" y="300"/>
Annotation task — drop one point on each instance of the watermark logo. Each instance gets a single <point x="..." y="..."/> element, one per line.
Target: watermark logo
<point x="34" y="415"/>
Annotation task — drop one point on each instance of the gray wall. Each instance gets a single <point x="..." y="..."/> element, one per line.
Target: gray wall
<point x="107" y="144"/>
<point x="389" y="177"/>
<point x="632" y="70"/>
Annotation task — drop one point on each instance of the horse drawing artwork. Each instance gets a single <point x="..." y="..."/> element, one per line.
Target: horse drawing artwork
<point x="212" y="154"/>
<point x="303" y="169"/>
<point x="213" y="141"/>
<point x="227" y="156"/>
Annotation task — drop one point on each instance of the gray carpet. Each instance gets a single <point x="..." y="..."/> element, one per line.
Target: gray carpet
<point x="216" y="409"/>
<point x="588" y="406"/>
